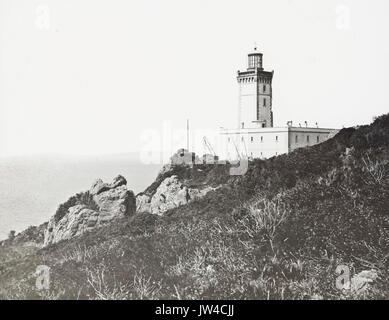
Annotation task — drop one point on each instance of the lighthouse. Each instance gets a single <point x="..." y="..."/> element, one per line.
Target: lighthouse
<point x="255" y="135"/>
<point x="255" y="94"/>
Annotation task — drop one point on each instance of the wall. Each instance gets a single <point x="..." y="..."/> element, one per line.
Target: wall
<point x="269" y="142"/>
<point x="254" y="89"/>
<point x="264" y="90"/>
<point x="303" y="133"/>
<point x="265" y="143"/>
<point x="247" y="101"/>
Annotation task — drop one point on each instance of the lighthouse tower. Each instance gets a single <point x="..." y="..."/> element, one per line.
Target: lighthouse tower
<point x="255" y="94"/>
<point x="255" y="136"/>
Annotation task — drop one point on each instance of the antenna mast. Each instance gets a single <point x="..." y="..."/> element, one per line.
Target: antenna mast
<point x="187" y="134"/>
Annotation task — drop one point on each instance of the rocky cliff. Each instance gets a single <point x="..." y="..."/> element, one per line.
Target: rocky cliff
<point x="100" y="205"/>
<point x="171" y="193"/>
<point x="107" y="201"/>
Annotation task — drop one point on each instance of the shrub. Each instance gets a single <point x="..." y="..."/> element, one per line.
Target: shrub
<point x="11" y="235"/>
<point x="375" y="170"/>
<point x="144" y="287"/>
<point x="83" y="198"/>
<point x="263" y="219"/>
<point x="105" y="287"/>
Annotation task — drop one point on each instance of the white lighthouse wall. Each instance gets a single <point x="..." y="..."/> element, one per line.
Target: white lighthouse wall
<point x="248" y="101"/>
<point x="263" y="143"/>
<point x="269" y="142"/>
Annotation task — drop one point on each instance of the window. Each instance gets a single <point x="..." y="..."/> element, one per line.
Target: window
<point x="228" y="139"/>
<point x="256" y="61"/>
<point x="261" y="139"/>
<point x="263" y="125"/>
<point x="317" y="139"/>
<point x="252" y="139"/>
<point x="257" y="112"/>
<point x="296" y="139"/>
<point x="264" y="88"/>
<point x="242" y="125"/>
<point x="264" y="102"/>
<point x="242" y="139"/>
<point x="277" y="138"/>
<point x="307" y="139"/>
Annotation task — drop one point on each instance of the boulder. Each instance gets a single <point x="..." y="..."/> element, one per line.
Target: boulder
<point x="110" y="201"/>
<point x="171" y="193"/>
<point x="361" y="282"/>
<point x="99" y="186"/>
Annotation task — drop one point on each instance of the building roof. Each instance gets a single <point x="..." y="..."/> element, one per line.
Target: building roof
<point x="255" y="52"/>
<point x="275" y="129"/>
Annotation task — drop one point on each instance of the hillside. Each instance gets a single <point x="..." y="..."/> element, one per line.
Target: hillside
<point x="281" y="231"/>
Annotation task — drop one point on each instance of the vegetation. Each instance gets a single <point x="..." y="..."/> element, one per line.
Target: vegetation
<point x="11" y="235"/>
<point x="278" y="232"/>
<point x="82" y="198"/>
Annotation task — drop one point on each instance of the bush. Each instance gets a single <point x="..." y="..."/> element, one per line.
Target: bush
<point x="263" y="218"/>
<point x="375" y="170"/>
<point x="83" y="198"/>
<point x="11" y="235"/>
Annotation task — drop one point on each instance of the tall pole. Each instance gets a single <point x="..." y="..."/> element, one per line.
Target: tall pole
<point x="187" y="134"/>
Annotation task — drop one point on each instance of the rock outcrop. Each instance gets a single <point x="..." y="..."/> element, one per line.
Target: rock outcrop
<point x="106" y="202"/>
<point x="361" y="282"/>
<point x="171" y="193"/>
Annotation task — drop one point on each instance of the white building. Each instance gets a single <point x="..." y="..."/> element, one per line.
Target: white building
<point x="255" y="136"/>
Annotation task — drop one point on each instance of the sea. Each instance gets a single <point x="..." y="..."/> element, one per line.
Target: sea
<point x="31" y="188"/>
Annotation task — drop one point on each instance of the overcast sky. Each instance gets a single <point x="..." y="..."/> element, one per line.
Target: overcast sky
<point x="94" y="76"/>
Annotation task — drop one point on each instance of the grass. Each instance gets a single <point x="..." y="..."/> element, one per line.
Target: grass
<point x="279" y="232"/>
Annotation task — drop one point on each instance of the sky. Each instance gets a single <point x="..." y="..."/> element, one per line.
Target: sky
<point x="102" y="77"/>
